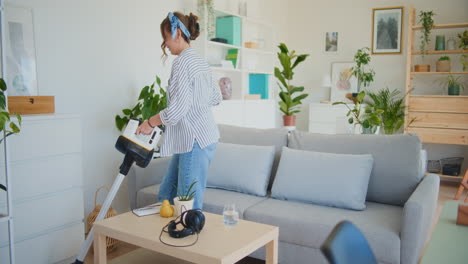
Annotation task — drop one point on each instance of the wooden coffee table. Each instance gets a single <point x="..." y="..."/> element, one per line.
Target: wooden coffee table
<point x="217" y="243"/>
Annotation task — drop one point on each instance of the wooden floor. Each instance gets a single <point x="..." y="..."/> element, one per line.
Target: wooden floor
<point x="447" y="192"/>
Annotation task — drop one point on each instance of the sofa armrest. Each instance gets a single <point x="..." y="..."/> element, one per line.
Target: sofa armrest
<point x="418" y="214"/>
<point x="139" y="178"/>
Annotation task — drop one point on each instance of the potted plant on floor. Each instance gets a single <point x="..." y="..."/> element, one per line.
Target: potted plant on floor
<point x="425" y="18"/>
<point x="150" y="102"/>
<point x="393" y="109"/>
<point x="290" y="103"/>
<point x="367" y="120"/>
<point x="463" y="37"/>
<point x="443" y="64"/>
<point x="454" y="84"/>
<point x="184" y="199"/>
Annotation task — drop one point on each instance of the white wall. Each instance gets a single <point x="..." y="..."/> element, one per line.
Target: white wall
<point x="94" y="56"/>
<point x="309" y="20"/>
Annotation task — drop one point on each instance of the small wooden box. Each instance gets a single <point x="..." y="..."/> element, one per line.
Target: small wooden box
<point x="31" y="104"/>
<point x="462" y="216"/>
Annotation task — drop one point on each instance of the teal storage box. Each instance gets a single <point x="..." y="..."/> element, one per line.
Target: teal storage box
<point x="229" y="28"/>
<point x="258" y="84"/>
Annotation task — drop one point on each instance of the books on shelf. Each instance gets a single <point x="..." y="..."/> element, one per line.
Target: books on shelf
<point x="233" y="55"/>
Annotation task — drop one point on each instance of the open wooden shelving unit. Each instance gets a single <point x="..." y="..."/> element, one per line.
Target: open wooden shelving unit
<point x="441" y="119"/>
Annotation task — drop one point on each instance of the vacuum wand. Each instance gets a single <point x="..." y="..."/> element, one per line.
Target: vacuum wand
<point x="138" y="149"/>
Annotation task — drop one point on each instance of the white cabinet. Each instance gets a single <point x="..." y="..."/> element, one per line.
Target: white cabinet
<point x="329" y="119"/>
<point x="46" y="173"/>
<point x="246" y="113"/>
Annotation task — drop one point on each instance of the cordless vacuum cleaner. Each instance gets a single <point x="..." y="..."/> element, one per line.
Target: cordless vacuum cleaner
<point x="138" y="149"/>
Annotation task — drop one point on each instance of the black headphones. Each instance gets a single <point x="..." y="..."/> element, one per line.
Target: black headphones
<point x="192" y="221"/>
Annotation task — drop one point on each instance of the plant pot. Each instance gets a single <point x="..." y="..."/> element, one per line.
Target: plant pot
<point x="182" y="206"/>
<point x="289" y="121"/>
<point x="422" y="68"/>
<point x="358" y="129"/>
<point x="454" y="89"/>
<point x="443" y="66"/>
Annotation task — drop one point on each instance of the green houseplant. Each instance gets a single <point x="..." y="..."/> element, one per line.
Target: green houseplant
<point x="290" y="103"/>
<point x="427" y="22"/>
<point x="150" y="102"/>
<point x="454" y="85"/>
<point x="7" y="126"/>
<point x="368" y="119"/>
<point x="443" y="64"/>
<point x="184" y="199"/>
<point x="364" y="76"/>
<point x="463" y="37"/>
<point x="393" y="108"/>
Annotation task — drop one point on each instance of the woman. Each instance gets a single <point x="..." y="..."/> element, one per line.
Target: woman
<point x="191" y="133"/>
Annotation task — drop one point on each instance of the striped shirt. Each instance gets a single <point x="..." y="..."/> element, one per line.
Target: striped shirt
<point x="191" y="93"/>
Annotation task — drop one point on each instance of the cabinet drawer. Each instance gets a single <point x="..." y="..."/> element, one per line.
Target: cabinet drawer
<point x="438" y="104"/>
<point x="440" y="135"/>
<point x="439" y="120"/>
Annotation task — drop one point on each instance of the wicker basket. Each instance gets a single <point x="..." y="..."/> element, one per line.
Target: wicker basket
<point x="110" y="242"/>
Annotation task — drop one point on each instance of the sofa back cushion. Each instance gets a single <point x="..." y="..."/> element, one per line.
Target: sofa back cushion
<point x="396" y="171"/>
<point x="277" y="137"/>
<point x="241" y="168"/>
<point x="337" y="180"/>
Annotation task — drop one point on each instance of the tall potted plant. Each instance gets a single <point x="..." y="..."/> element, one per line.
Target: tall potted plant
<point x="364" y="76"/>
<point x="150" y="102"/>
<point x="290" y="102"/>
<point x="427" y="22"/>
<point x="8" y="127"/>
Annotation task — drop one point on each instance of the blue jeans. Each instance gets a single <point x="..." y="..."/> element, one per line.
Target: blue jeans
<point x="183" y="170"/>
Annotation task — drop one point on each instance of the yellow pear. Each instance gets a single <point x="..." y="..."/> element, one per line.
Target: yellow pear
<point x="166" y="209"/>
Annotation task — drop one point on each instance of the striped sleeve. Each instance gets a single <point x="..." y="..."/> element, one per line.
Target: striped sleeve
<point x="181" y="96"/>
<point x="216" y="96"/>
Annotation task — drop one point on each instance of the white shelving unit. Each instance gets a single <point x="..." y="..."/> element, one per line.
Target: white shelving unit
<point x="238" y="110"/>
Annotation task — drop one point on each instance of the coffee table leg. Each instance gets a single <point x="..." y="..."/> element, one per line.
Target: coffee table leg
<point x="99" y="249"/>
<point x="272" y="252"/>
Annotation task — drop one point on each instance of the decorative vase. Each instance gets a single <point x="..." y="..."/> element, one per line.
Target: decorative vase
<point x="182" y="206"/>
<point x="454" y="89"/>
<point x="451" y="44"/>
<point x="289" y="121"/>
<point x="422" y="68"/>
<point x="358" y="129"/>
<point x="225" y="84"/>
<point x="440" y="42"/>
<point x="443" y="66"/>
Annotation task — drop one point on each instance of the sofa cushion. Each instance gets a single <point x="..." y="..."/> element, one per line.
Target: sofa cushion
<point x="241" y="168"/>
<point x="338" y="180"/>
<point x="277" y="137"/>
<point x="396" y="171"/>
<point x="213" y="200"/>
<point x="309" y="225"/>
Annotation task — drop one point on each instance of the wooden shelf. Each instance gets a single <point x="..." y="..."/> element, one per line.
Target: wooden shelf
<point x="434" y="52"/>
<point x="223" y="13"/>
<point x="443" y="26"/>
<point x="429" y="73"/>
<point x="440" y="96"/>
<point x="215" y="68"/>
<point x="258" y="72"/>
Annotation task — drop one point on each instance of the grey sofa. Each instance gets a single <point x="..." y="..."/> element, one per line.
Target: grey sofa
<point x="400" y="201"/>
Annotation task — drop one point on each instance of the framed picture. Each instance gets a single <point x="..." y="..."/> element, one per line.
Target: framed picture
<point x="342" y="81"/>
<point x="331" y="41"/>
<point x="20" y="68"/>
<point x="387" y="27"/>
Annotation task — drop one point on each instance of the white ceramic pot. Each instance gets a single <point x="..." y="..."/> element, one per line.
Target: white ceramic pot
<point x="182" y="206"/>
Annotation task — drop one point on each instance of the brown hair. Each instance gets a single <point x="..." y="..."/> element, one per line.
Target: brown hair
<point x="190" y="22"/>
